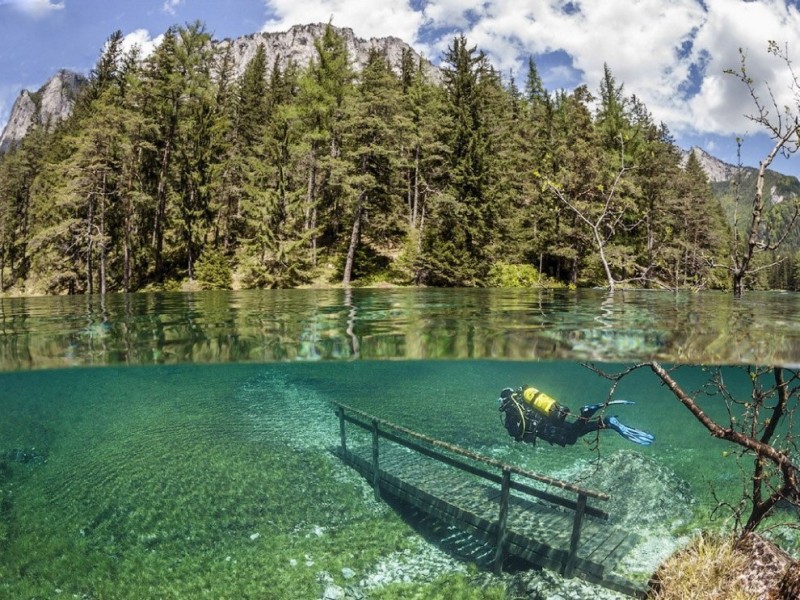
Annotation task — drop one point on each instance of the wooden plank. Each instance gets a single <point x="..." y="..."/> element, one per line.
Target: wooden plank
<point x="575" y="538"/>
<point x="502" y="520"/>
<point x="536" y="529"/>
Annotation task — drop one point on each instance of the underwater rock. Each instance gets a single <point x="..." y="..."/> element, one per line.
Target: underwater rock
<point x="542" y="584"/>
<point x="766" y="569"/>
<point x="333" y="592"/>
<point x="754" y="567"/>
<point x="644" y="493"/>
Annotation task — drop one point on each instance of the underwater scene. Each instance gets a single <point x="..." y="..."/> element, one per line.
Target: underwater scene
<point x="184" y="446"/>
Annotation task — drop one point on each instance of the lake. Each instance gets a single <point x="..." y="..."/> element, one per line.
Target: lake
<point x="178" y="445"/>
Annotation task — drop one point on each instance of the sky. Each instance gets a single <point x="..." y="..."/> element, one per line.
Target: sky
<point x="672" y="54"/>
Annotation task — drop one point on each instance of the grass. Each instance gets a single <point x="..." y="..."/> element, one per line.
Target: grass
<point x="705" y="569"/>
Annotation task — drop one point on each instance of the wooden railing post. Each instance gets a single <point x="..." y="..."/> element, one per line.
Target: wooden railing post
<point x="376" y="478"/>
<point x="340" y="411"/>
<point x="569" y="568"/>
<point x="505" y="489"/>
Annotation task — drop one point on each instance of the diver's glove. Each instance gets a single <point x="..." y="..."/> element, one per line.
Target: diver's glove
<point x="629" y="433"/>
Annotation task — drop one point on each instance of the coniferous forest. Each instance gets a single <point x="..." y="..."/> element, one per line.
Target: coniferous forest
<point x="171" y="172"/>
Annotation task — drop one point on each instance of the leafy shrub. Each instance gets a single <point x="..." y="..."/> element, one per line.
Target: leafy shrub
<point x="213" y="271"/>
<point x="505" y="275"/>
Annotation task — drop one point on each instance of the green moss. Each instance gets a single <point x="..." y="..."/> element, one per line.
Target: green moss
<point x="161" y="498"/>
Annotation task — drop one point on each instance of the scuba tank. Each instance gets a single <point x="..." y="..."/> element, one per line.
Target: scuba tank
<point x="544" y="404"/>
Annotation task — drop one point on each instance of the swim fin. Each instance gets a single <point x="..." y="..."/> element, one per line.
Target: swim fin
<point x="588" y="410"/>
<point x="629" y="433"/>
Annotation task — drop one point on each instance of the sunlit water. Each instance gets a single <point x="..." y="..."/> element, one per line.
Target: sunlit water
<point x="178" y="446"/>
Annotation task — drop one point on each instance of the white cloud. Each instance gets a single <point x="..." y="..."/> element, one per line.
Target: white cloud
<point x="365" y="17"/>
<point x="171" y="5"/>
<point x="652" y="46"/>
<point x="722" y="100"/>
<point x="35" y="8"/>
<point x="142" y="39"/>
<point x="671" y="53"/>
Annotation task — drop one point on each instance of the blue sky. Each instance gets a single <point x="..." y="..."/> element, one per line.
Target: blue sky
<point x="671" y="53"/>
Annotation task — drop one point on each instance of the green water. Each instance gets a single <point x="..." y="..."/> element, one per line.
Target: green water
<point x="186" y="465"/>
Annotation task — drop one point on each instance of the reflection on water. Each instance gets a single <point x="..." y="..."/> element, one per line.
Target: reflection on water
<point x="300" y="325"/>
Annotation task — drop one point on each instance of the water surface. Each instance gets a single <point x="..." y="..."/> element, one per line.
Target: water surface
<point x="287" y="325"/>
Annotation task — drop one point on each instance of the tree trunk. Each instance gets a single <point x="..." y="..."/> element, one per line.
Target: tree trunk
<point x="102" y="236"/>
<point x="351" y="251"/>
<point x="415" y="209"/>
<point x="90" y="246"/>
<point x="311" y="209"/>
<point x="161" y="212"/>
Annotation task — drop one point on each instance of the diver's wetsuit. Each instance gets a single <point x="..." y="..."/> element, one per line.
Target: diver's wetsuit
<point x="526" y="424"/>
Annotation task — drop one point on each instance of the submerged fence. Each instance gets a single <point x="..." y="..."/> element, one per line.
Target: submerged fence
<point x="565" y="497"/>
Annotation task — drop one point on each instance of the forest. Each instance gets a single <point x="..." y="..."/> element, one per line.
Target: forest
<point x="171" y="172"/>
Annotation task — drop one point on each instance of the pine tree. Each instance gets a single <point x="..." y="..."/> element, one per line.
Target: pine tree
<point x="324" y="90"/>
<point x="371" y="139"/>
<point x="277" y="247"/>
<point x="462" y="220"/>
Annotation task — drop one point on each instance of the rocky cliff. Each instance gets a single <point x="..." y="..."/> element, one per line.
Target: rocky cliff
<point x="297" y="45"/>
<point x="715" y="169"/>
<point x="48" y="105"/>
<point x="723" y="175"/>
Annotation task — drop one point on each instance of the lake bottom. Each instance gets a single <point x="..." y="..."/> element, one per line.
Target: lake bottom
<point x="219" y="481"/>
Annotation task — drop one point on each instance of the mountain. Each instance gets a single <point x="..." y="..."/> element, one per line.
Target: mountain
<point x="715" y="169"/>
<point x="724" y="177"/>
<point x="49" y="104"/>
<point x="55" y="99"/>
<point x="735" y="188"/>
<point x="297" y="45"/>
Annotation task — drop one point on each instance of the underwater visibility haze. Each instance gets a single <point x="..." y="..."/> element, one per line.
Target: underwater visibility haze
<point x="179" y="445"/>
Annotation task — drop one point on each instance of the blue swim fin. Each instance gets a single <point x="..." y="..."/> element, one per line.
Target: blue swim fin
<point x="629" y="433"/>
<point x="588" y="410"/>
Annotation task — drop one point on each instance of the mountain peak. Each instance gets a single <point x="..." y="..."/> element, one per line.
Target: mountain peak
<point x="715" y="169"/>
<point x="48" y="105"/>
<point x="54" y="100"/>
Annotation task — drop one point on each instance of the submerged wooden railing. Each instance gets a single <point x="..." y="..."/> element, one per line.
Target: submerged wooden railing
<point x="432" y="448"/>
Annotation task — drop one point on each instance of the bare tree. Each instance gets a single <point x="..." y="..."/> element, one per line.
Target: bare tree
<point x="783" y="127"/>
<point x="602" y="215"/>
<point x="760" y="426"/>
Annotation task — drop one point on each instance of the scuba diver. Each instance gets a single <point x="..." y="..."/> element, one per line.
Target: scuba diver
<point x="531" y="414"/>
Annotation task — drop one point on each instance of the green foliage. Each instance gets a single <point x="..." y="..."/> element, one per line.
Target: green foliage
<point x="297" y="174"/>
<point x="506" y="275"/>
<point x="213" y="271"/>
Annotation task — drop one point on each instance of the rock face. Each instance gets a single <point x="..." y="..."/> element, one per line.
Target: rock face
<point x="297" y="45"/>
<point x="715" y="169"/>
<point x="767" y="568"/>
<point x="48" y="105"/>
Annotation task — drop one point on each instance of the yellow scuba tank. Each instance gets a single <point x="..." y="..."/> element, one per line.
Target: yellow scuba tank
<point x="542" y="403"/>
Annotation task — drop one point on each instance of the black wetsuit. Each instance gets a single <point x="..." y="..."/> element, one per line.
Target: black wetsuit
<point x="526" y="424"/>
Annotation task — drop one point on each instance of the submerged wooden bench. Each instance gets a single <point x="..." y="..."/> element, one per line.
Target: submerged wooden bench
<point x="545" y="521"/>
